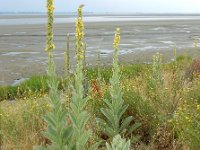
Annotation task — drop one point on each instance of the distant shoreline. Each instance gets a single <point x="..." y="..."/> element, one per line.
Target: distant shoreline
<point x="28" y="19"/>
<point x="22" y="46"/>
<point x="104" y="13"/>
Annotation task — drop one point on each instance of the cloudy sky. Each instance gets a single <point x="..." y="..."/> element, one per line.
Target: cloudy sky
<point x="125" y="6"/>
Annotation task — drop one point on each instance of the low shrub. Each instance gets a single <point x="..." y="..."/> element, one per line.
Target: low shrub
<point x="193" y="71"/>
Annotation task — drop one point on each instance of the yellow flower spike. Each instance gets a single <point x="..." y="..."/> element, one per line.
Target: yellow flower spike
<point x="49" y="40"/>
<point x="79" y="35"/>
<point x="117" y="39"/>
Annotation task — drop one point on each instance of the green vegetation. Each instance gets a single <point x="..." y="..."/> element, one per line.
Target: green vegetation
<point x="114" y="124"/>
<point x="21" y="120"/>
<point x="57" y="131"/>
<point x="126" y="106"/>
<point x="36" y="85"/>
<point x="118" y="144"/>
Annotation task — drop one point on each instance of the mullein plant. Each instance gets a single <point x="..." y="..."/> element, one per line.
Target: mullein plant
<point x="67" y="77"/>
<point x="67" y="58"/>
<point x="78" y="115"/>
<point x="118" y="144"/>
<point x="58" y="132"/>
<point x="112" y="124"/>
<point x="176" y="84"/>
<point x="67" y="63"/>
<point x="155" y="83"/>
<point x="85" y="80"/>
<point x="156" y="70"/>
<point x="155" y="80"/>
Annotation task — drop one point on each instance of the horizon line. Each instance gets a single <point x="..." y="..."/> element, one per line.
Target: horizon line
<point x="15" y="12"/>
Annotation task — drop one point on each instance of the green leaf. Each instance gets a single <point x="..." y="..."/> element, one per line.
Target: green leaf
<point x="134" y="127"/>
<point x="63" y="115"/>
<point x="108" y="114"/>
<point x="82" y="119"/>
<point x="108" y="147"/>
<point x="67" y="134"/>
<point x="82" y="140"/>
<point x="118" y="144"/>
<point x="108" y="103"/>
<point x="73" y="119"/>
<point x="50" y="135"/>
<point x="122" y="110"/>
<point x="50" y="120"/>
<point x="127" y="146"/>
<point x="135" y="138"/>
<point x="95" y="146"/>
<point x="110" y="131"/>
<point x="126" y="122"/>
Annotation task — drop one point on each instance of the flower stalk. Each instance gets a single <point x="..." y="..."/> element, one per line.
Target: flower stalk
<point x="79" y="116"/>
<point x="57" y="132"/>
<point x="114" y="124"/>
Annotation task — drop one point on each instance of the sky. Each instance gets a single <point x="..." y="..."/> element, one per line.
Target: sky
<point x="115" y="6"/>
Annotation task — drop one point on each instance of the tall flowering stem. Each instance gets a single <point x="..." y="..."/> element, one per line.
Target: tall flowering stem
<point x="116" y="91"/>
<point x="78" y="115"/>
<point x="67" y="63"/>
<point x="113" y="124"/>
<point x="57" y="132"/>
<point x="79" y="36"/>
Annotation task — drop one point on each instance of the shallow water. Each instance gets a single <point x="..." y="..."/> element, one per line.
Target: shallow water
<point x="18" y="81"/>
<point x="17" y="53"/>
<point x="22" y="40"/>
<point x="71" y="19"/>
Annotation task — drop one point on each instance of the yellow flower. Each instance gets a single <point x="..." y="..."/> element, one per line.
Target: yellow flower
<point x="51" y="8"/>
<point x="117" y="39"/>
<point x="49" y="39"/>
<point x="198" y="107"/>
<point x="79" y="35"/>
<point x="79" y="28"/>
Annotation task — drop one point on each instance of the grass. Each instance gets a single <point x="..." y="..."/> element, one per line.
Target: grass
<point x="38" y="84"/>
<point x="22" y="124"/>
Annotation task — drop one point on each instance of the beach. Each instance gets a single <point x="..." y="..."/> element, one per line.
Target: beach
<point x="22" y="45"/>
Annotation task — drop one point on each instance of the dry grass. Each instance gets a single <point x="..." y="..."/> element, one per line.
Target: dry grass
<point x="156" y="109"/>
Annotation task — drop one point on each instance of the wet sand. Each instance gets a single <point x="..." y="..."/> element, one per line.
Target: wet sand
<point x="22" y="46"/>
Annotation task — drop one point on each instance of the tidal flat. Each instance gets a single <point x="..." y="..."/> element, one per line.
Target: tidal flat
<point x="22" y="44"/>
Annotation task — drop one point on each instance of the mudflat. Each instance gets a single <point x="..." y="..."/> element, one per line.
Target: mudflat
<point x="22" y="46"/>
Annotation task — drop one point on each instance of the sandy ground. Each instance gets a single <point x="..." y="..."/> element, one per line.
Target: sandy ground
<point x="22" y="46"/>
